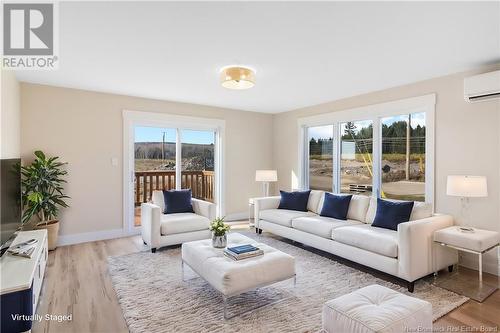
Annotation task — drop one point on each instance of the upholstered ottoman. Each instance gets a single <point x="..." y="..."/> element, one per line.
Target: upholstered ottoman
<point x="231" y="277"/>
<point x="377" y="309"/>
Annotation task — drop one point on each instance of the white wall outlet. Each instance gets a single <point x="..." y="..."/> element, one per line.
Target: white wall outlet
<point x="114" y="161"/>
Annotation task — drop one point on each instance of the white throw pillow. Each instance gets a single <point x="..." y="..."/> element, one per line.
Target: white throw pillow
<point x="158" y="199"/>
<point x="315" y="197"/>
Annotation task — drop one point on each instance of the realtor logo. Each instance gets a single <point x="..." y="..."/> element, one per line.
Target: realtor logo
<point x="29" y="36"/>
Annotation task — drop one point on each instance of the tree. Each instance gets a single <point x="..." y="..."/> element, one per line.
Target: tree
<point x="350" y="129"/>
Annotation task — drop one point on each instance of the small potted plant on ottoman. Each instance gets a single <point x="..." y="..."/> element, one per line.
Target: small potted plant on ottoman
<point x="219" y="233"/>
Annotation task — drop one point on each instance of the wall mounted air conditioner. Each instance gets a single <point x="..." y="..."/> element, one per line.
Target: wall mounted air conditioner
<point x="482" y="87"/>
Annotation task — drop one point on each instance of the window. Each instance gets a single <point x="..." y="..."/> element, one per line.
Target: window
<point x="384" y="150"/>
<point x="356" y="157"/>
<point x="320" y="141"/>
<point x="403" y="157"/>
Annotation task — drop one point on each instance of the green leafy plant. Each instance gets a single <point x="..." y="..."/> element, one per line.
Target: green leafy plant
<point x="218" y="227"/>
<point x="42" y="188"/>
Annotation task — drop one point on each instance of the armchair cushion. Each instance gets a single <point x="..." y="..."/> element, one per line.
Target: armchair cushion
<point x="178" y="201"/>
<point x="178" y="223"/>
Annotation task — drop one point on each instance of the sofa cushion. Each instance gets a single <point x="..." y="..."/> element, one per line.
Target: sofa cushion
<point x="296" y="200"/>
<point x="421" y="210"/>
<point x="319" y="225"/>
<point x="178" y="201"/>
<point x="366" y="237"/>
<point x="336" y="206"/>
<point x="390" y="214"/>
<point x="282" y="216"/>
<point x="357" y="207"/>
<point x="178" y="223"/>
<point x="315" y="197"/>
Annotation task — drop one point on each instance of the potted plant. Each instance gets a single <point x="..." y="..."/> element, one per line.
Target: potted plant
<point x="219" y="232"/>
<point x="42" y="194"/>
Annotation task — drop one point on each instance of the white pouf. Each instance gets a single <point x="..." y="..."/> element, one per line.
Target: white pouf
<point x="377" y="309"/>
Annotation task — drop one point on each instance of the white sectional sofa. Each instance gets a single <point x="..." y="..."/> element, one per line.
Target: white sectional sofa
<point x="160" y="229"/>
<point x="408" y="253"/>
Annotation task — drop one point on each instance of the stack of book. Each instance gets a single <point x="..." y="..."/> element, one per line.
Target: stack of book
<point x="242" y="252"/>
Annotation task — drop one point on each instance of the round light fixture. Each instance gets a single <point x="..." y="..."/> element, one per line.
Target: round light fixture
<point x="237" y="77"/>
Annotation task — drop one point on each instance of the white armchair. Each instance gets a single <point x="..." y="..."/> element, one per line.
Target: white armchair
<point x="160" y="229"/>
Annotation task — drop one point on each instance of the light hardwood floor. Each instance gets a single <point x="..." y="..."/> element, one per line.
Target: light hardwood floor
<point x="77" y="282"/>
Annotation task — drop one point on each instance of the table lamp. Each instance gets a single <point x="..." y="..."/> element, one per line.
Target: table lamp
<point x="466" y="187"/>
<point x="266" y="176"/>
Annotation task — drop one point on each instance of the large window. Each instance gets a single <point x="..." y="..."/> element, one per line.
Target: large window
<point x="385" y="150"/>
<point x="403" y="157"/>
<point x="356" y="155"/>
<point x="320" y="139"/>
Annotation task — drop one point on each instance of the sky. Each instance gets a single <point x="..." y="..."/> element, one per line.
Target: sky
<point x="327" y="131"/>
<point x="155" y="134"/>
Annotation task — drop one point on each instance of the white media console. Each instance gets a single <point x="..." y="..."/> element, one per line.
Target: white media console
<point x="21" y="282"/>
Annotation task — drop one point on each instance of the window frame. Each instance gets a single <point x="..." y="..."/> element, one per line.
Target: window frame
<point x="375" y="113"/>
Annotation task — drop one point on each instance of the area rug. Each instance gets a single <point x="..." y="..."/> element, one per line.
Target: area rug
<point x="154" y="298"/>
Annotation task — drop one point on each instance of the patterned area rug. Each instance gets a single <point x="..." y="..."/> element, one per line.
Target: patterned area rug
<point x="154" y="298"/>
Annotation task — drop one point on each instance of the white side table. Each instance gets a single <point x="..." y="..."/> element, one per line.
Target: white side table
<point x="477" y="242"/>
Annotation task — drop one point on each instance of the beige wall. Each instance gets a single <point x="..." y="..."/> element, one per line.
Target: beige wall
<point x="467" y="142"/>
<point x="10" y="119"/>
<point x="85" y="129"/>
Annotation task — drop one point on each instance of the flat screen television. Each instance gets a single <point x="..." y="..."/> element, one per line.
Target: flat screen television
<point x="10" y="199"/>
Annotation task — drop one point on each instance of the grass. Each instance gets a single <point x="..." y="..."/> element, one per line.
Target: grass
<point x="150" y="164"/>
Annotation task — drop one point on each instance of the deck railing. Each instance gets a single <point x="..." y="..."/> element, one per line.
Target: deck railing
<point x="201" y="183"/>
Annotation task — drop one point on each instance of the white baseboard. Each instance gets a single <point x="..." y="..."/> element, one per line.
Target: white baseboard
<point x="90" y="236"/>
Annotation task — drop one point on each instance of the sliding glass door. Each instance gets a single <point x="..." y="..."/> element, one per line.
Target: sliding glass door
<point x="154" y="164"/>
<point x="166" y="152"/>
<point x="197" y="163"/>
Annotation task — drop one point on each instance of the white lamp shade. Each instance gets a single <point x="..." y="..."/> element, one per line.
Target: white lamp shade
<point x="266" y="176"/>
<point x="467" y="186"/>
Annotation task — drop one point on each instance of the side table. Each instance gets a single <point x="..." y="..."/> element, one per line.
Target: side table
<point x="477" y="242"/>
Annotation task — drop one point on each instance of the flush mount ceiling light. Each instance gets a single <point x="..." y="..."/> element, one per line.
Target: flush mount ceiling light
<point x="237" y="77"/>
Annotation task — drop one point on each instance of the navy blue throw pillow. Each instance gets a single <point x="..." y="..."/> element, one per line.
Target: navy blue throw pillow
<point x="177" y="201"/>
<point x="336" y="206"/>
<point x="390" y="214"/>
<point x="296" y="200"/>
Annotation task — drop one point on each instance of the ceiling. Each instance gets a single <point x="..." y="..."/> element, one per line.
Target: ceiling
<point x="304" y="53"/>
